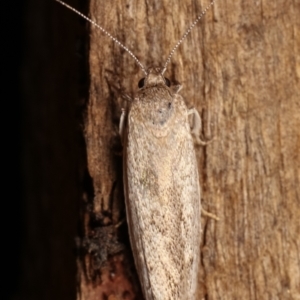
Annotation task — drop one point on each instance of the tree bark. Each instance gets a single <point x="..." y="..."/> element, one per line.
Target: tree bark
<point x="239" y="68"/>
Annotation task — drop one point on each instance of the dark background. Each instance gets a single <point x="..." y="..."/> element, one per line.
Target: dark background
<point x="44" y="86"/>
<point x="13" y="37"/>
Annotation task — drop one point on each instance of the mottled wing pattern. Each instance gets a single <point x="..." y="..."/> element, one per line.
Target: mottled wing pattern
<point x="162" y="195"/>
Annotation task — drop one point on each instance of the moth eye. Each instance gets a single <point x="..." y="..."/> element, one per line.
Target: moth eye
<point x="141" y="83"/>
<point x="168" y="82"/>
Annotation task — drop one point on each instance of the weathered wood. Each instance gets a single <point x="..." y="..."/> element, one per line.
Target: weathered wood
<point x="239" y="68"/>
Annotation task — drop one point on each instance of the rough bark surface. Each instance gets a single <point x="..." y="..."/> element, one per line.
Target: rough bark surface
<point x="240" y="69"/>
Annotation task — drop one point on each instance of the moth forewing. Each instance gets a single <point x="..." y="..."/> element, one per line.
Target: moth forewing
<point x="162" y="192"/>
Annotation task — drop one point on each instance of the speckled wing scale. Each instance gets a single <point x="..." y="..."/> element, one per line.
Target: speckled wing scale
<point x="161" y="183"/>
<point x="162" y="191"/>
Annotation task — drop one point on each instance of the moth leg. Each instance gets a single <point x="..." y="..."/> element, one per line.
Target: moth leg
<point x="123" y="117"/>
<point x="210" y="215"/>
<point x="176" y="88"/>
<point x="122" y="122"/>
<point x="120" y="223"/>
<point x="127" y="98"/>
<point x="196" y="127"/>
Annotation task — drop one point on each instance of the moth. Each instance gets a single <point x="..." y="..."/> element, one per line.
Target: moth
<point x="161" y="182"/>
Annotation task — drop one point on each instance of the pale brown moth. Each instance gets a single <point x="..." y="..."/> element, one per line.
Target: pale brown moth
<point x="161" y="183"/>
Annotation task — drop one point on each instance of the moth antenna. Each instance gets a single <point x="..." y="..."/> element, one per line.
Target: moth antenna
<point x="105" y="32"/>
<point x="186" y="34"/>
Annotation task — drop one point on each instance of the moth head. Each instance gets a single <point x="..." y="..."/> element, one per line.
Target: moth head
<point x="154" y="77"/>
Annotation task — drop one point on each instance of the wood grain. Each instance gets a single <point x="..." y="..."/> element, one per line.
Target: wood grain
<point x="240" y="69"/>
